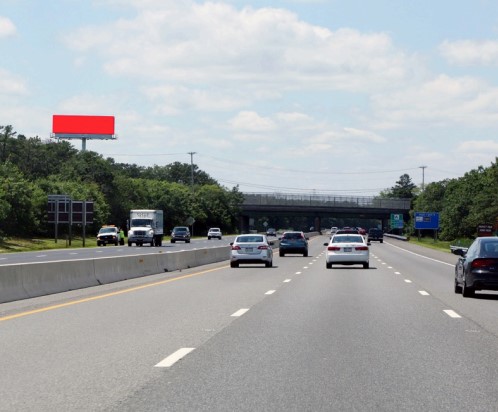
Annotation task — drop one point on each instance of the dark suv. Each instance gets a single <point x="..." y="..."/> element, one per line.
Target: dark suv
<point x="180" y="233"/>
<point x="293" y="242"/>
<point x="375" y="234"/>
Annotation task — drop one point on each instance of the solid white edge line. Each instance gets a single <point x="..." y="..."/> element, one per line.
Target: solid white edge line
<point x="416" y="254"/>
<point x="270" y="292"/>
<point x="173" y="358"/>
<point x="451" y="313"/>
<point x="240" y="312"/>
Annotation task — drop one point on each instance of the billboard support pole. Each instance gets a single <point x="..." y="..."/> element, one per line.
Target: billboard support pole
<point x="84" y="222"/>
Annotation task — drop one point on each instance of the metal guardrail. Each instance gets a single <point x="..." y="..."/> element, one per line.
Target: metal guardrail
<point x="285" y="199"/>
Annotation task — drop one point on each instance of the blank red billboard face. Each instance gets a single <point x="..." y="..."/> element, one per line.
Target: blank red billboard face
<point x="78" y="125"/>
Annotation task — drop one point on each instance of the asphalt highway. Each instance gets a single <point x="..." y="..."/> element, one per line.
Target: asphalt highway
<point x="295" y="337"/>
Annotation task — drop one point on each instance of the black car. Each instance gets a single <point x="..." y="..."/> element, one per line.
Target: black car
<point x="477" y="269"/>
<point x="293" y="242"/>
<point x="375" y="234"/>
<point x="180" y="233"/>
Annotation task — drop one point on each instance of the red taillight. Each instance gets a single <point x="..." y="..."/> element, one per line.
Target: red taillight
<point x="235" y="247"/>
<point x="482" y="263"/>
<point x="263" y="247"/>
<point x="333" y="248"/>
<point x="361" y="248"/>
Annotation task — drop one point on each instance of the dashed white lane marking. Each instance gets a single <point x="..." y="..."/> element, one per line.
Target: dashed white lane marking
<point x="383" y="263"/>
<point x="397" y="273"/>
<point x="389" y="267"/>
<point x="306" y="267"/>
<point x="423" y="293"/>
<point x="73" y="253"/>
<point x="240" y="312"/>
<point x="41" y="256"/>
<point x="174" y="357"/>
<point x="452" y="313"/>
<point x="298" y="273"/>
<point x="408" y="281"/>
<point x="270" y="292"/>
<point x="287" y="280"/>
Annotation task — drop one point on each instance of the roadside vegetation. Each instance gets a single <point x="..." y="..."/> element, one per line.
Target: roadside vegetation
<point x="32" y="168"/>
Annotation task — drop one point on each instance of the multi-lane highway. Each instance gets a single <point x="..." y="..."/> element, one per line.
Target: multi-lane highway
<point x="107" y="251"/>
<point x="295" y="337"/>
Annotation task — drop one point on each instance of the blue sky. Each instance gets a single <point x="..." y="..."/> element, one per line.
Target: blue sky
<point x="337" y="97"/>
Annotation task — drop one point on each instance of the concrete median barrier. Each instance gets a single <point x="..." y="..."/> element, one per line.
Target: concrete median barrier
<point x="11" y="287"/>
<point x="114" y="269"/>
<point x="30" y="280"/>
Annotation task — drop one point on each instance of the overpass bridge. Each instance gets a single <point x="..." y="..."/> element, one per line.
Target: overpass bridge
<point x="319" y="206"/>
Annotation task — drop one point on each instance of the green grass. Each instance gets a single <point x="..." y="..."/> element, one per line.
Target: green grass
<point x="14" y="244"/>
<point x="440" y="244"/>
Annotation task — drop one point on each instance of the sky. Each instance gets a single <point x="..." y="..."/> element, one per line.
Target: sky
<point x="337" y="97"/>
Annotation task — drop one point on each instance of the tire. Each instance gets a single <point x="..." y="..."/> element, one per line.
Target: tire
<point x="305" y="254"/>
<point x="269" y="264"/>
<point x="187" y="241"/>
<point x="381" y="241"/>
<point x="366" y="265"/>
<point x="98" y="243"/>
<point x="458" y="288"/>
<point x="328" y="265"/>
<point x="209" y="237"/>
<point x="116" y="244"/>
<point x="173" y="240"/>
<point x="281" y="254"/>
<point x="129" y="243"/>
<point x="234" y="265"/>
<point x="467" y="292"/>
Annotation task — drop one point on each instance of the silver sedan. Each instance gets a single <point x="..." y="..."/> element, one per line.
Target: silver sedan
<point x="251" y="249"/>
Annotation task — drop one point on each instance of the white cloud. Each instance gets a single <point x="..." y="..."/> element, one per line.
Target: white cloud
<point x="444" y="100"/>
<point x="470" y="52"/>
<point x="256" y="49"/>
<point x="251" y="121"/>
<point x="7" y="27"/>
<point x="11" y="84"/>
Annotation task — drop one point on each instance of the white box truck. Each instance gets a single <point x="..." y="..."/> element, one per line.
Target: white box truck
<point x="146" y="226"/>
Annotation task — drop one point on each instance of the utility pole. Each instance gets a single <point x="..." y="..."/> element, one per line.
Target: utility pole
<point x="423" y="176"/>
<point x="192" y="169"/>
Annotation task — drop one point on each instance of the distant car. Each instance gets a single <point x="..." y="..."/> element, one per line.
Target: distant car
<point x="333" y="230"/>
<point x="347" y="249"/>
<point x="214" y="232"/>
<point x="293" y="242"/>
<point x="108" y="235"/>
<point x="477" y="269"/>
<point x="271" y="232"/>
<point x="180" y="233"/>
<point x="375" y="234"/>
<point x="251" y="248"/>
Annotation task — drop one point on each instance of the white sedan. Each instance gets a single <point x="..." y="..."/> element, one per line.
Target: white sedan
<point x="347" y="249"/>
<point x="251" y="249"/>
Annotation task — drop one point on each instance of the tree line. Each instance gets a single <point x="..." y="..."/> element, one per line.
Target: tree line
<point x="31" y="169"/>
<point x="463" y="203"/>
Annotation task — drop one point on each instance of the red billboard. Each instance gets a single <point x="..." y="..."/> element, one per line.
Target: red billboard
<point x="82" y="125"/>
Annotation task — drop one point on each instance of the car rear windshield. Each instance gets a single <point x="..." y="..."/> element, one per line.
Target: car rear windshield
<point x="295" y="235"/>
<point x="249" y="239"/>
<point x="489" y="249"/>
<point x="347" y="238"/>
<point x="181" y="229"/>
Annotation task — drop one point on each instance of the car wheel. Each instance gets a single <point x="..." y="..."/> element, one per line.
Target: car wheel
<point x="467" y="292"/>
<point x="328" y="265"/>
<point x="381" y="241"/>
<point x="366" y="265"/>
<point x="234" y="265"/>
<point x="129" y="243"/>
<point x="305" y="254"/>
<point x="269" y="264"/>
<point x="209" y="238"/>
<point x="281" y="254"/>
<point x="173" y="240"/>
<point x="187" y="241"/>
<point x="458" y="288"/>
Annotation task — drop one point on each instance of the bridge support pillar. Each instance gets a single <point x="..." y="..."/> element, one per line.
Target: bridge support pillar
<point x="244" y="224"/>
<point x="318" y="224"/>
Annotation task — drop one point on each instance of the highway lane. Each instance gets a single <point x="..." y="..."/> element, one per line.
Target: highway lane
<point x="294" y="337"/>
<point x="107" y="251"/>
